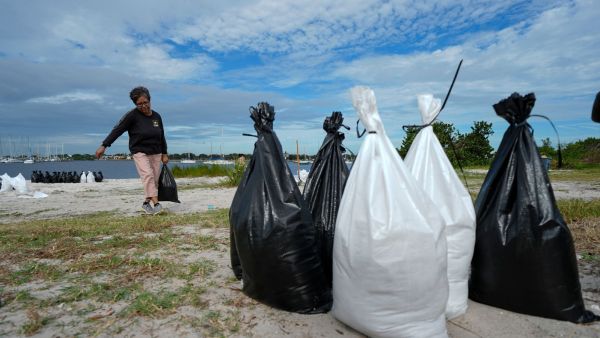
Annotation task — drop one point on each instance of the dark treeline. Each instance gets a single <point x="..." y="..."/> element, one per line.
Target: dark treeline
<point x="472" y="148"/>
<point x="576" y="155"/>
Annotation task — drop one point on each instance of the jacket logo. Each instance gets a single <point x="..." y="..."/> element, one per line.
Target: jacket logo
<point x="155" y="123"/>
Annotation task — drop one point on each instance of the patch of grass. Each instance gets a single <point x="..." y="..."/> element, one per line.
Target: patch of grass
<point x="141" y="241"/>
<point x="128" y="268"/>
<point x="102" y="263"/>
<point x="198" y="186"/>
<point x="202" y="268"/>
<point x="41" y="211"/>
<point x="192" y="295"/>
<point x="222" y="325"/>
<point x="205" y="242"/>
<point x="213" y="219"/>
<point x="590" y="257"/>
<point x="34" y="270"/>
<point x="153" y="304"/>
<point x="200" y="170"/>
<point x="586" y="236"/>
<point x="101" y="292"/>
<point x="22" y="296"/>
<point x="34" y="323"/>
<point x="587" y="174"/>
<point x="235" y="175"/>
<point x="574" y="210"/>
<point x="73" y="237"/>
<point x="155" y="242"/>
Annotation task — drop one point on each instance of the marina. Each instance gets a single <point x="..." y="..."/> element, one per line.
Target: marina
<point x="111" y="169"/>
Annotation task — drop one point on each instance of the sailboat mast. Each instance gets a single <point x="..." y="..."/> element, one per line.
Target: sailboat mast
<point x="298" y="158"/>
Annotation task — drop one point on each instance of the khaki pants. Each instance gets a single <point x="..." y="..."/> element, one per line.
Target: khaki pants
<point x="148" y="167"/>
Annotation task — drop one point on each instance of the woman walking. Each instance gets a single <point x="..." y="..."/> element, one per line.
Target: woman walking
<point x="146" y="142"/>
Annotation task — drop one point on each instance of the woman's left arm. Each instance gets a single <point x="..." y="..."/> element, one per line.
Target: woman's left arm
<point x="165" y="156"/>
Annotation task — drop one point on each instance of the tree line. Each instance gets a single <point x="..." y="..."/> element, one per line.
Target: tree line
<point x="469" y="149"/>
<point x="473" y="148"/>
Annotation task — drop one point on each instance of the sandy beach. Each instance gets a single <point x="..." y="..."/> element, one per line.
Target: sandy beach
<point x="221" y="292"/>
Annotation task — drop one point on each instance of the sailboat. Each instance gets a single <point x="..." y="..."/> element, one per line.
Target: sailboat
<point x="216" y="159"/>
<point x="29" y="160"/>
<point x="188" y="160"/>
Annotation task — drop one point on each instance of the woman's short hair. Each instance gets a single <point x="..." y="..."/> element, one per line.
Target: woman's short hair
<point x="136" y="92"/>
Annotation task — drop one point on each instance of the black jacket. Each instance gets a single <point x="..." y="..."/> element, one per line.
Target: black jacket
<point x="146" y="133"/>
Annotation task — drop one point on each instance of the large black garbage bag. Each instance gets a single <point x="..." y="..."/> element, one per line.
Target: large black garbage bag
<point x="524" y="259"/>
<point x="167" y="188"/>
<point x="596" y="109"/>
<point x="324" y="187"/>
<point x="273" y="246"/>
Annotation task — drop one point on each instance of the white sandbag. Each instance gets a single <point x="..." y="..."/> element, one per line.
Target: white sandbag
<point x="303" y="175"/>
<point x="20" y="184"/>
<point x="90" y="177"/>
<point x="6" y="183"/>
<point x="432" y="169"/>
<point x="83" y="178"/>
<point x="389" y="254"/>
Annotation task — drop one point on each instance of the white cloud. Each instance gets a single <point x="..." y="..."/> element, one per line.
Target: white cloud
<point x="101" y="36"/>
<point x="81" y="58"/>
<point x="67" y="97"/>
<point x="554" y="56"/>
<point x="154" y="62"/>
<point x="291" y="25"/>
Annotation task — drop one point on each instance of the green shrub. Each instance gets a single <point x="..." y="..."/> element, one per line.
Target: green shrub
<point x="201" y="170"/>
<point x="235" y="175"/>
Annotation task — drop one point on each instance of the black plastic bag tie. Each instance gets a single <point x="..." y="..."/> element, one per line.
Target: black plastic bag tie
<point x="419" y="127"/>
<point x="559" y="152"/>
<point x="406" y="127"/>
<point x="359" y="135"/>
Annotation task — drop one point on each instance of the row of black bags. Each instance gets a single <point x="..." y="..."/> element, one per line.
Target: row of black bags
<point x="37" y="176"/>
<point x="281" y="241"/>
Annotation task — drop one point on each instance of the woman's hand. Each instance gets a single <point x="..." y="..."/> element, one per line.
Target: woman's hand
<point x="100" y="151"/>
<point x="165" y="158"/>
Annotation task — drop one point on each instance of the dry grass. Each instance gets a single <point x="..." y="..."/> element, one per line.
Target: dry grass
<point x="110" y="274"/>
<point x="586" y="235"/>
<point x="110" y="270"/>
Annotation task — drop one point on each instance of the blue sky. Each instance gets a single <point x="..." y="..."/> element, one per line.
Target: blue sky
<point x="67" y="66"/>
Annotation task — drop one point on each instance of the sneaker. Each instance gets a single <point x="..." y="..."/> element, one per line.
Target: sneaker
<point x="157" y="208"/>
<point x="147" y="208"/>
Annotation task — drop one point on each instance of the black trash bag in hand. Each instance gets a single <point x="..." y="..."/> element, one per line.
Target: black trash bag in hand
<point x="324" y="187"/>
<point x="272" y="236"/>
<point x="524" y="259"/>
<point x="167" y="188"/>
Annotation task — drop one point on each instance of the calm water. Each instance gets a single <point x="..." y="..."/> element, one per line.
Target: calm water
<point x="110" y="169"/>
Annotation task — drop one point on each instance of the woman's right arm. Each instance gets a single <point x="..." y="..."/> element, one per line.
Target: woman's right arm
<point x="117" y="131"/>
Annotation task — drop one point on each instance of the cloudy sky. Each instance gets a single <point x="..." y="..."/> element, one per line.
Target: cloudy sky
<point x="66" y="67"/>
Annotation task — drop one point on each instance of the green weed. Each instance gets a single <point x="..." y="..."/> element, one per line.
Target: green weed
<point x="201" y="170"/>
<point x="34" y="323"/>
